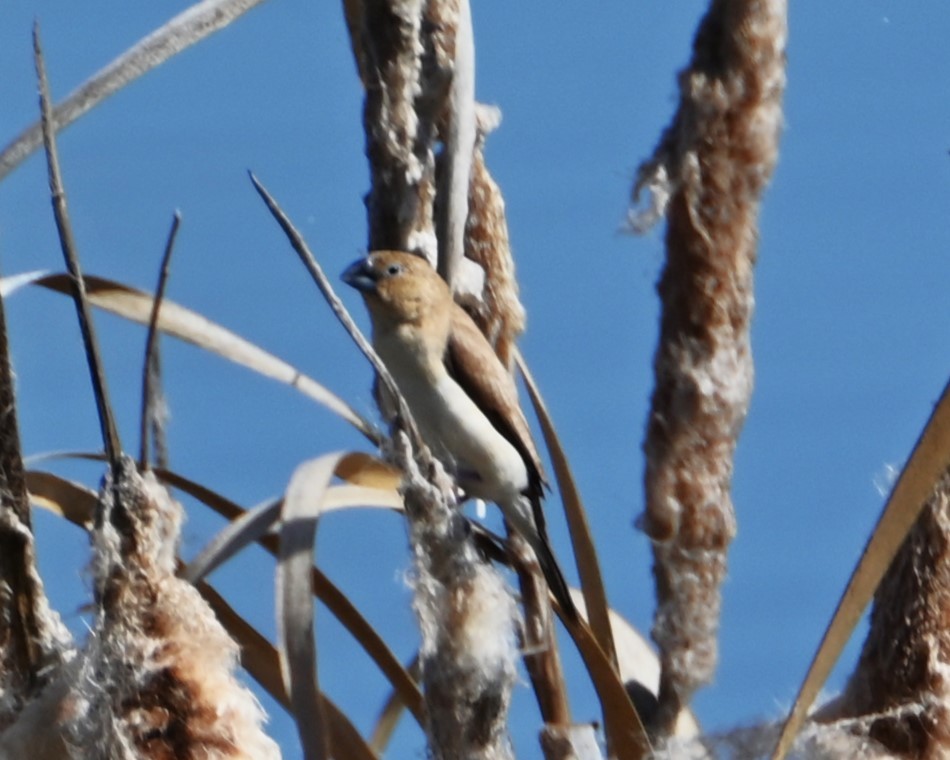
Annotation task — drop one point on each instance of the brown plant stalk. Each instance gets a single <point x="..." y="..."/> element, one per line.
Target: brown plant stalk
<point x="711" y="165"/>
<point x="405" y="51"/>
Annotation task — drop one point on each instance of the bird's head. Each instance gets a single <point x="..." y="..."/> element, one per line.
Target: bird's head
<point x="399" y="288"/>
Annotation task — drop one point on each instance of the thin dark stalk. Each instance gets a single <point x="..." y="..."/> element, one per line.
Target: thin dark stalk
<point x="336" y="305"/>
<point x="151" y="373"/>
<point x="110" y="434"/>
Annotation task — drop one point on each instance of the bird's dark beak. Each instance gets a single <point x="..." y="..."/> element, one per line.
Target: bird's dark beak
<point x="360" y="275"/>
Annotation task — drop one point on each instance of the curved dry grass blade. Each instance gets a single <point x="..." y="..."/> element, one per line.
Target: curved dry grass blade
<point x="372" y="643"/>
<point x="927" y="462"/>
<point x="239" y="533"/>
<point x="184" y="30"/>
<point x="347" y="741"/>
<point x="258" y="655"/>
<point x="621" y="722"/>
<point x="253" y="524"/>
<point x="366" y="470"/>
<point x="360" y="497"/>
<point x="370" y="479"/>
<point x="588" y="568"/>
<point x="392" y="711"/>
<point x="72" y="500"/>
<point x="193" y="328"/>
<point x="224" y="507"/>
<point x="110" y="434"/>
<point x="151" y="371"/>
<point x="260" y="659"/>
<point x="296" y="644"/>
<point x="14" y="282"/>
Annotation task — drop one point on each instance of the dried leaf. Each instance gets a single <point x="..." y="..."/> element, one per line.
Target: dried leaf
<point x="181" y="32"/>
<point x="253" y="524"/>
<point x="638" y="662"/>
<point x="296" y="645"/>
<point x="927" y="462"/>
<point x="135" y="305"/>
<point x="72" y="500"/>
<point x="366" y="470"/>
<point x="14" y="282"/>
<point x="588" y="568"/>
<point x="621" y="722"/>
<point x="392" y="711"/>
<point x="246" y="529"/>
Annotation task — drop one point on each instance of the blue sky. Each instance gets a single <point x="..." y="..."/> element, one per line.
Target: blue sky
<point x="850" y="334"/>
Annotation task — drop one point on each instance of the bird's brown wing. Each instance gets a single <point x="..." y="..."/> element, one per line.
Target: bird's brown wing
<point x="474" y="366"/>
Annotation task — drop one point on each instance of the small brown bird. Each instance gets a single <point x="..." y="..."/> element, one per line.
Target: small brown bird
<point x="461" y="396"/>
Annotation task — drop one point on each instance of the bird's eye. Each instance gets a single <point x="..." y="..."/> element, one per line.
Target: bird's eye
<point x="393" y="269"/>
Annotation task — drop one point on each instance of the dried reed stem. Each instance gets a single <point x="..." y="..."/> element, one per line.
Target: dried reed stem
<point x="153" y="403"/>
<point x="110" y="434"/>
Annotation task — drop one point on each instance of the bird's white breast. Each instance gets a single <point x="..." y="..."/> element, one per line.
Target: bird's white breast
<point x="456" y="430"/>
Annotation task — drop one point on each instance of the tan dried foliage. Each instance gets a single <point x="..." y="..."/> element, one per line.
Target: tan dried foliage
<point x="901" y="678"/>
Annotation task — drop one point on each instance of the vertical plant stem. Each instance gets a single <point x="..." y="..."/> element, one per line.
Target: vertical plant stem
<point x="110" y="434"/>
<point x="406" y="56"/>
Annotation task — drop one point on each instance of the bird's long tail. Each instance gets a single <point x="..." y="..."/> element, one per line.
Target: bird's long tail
<point x="554" y="576"/>
<point x="528" y="520"/>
